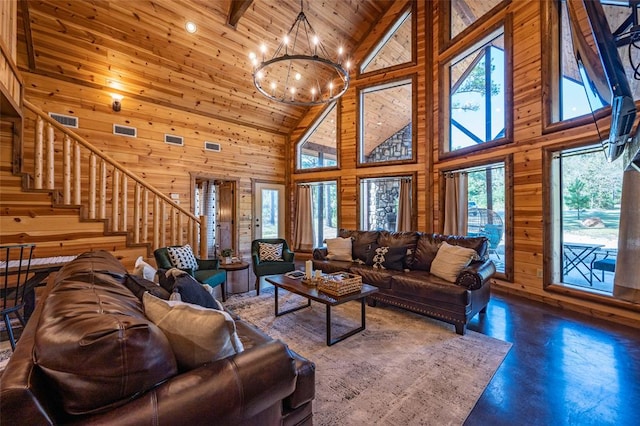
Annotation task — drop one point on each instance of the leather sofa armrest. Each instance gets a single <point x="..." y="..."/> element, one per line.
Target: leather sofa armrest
<point x="227" y="391"/>
<point x="476" y="274"/>
<point x="320" y="253"/>
<point x="208" y="264"/>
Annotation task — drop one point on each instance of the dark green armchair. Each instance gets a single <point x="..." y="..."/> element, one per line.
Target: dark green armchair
<point x="207" y="272"/>
<point x="271" y="267"/>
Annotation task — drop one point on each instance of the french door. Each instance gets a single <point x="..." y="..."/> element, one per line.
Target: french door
<point x="268" y="214"/>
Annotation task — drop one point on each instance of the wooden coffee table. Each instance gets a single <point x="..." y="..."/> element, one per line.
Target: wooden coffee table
<point x="312" y="293"/>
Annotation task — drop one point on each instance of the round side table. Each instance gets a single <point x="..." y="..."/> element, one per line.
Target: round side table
<point x="236" y="266"/>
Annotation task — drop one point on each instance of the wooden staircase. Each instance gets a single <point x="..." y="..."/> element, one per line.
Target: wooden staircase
<point x="67" y="197"/>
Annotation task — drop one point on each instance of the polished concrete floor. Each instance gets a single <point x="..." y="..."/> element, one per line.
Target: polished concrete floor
<point x="564" y="368"/>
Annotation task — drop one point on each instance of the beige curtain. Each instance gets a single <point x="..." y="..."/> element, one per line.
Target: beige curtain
<point x="404" y="206"/>
<point x="455" y="204"/>
<point x="626" y="283"/>
<point x="303" y="232"/>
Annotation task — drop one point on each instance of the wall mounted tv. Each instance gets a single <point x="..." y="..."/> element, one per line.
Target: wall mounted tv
<point x="603" y="75"/>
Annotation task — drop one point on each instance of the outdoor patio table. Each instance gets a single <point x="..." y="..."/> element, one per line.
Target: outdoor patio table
<point x="575" y="255"/>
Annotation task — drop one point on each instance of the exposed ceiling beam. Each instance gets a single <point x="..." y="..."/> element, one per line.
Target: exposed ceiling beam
<point x="26" y="22"/>
<point x="236" y="10"/>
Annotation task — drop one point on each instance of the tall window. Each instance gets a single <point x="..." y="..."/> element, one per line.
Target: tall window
<point x="477" y="101"/>
<point x="324" y="206"/>
<point x="586" y="191"/>
<point x="379" y="202"/>
<point x="318" y="148"/>
<point x="464" y="13"/>
<point x="386" y="123"/>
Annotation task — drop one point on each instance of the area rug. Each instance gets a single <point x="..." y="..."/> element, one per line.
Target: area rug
<point x="404" y="369"/>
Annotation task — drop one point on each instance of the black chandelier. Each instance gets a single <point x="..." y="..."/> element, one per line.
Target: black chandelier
<point x="300" y="71"/>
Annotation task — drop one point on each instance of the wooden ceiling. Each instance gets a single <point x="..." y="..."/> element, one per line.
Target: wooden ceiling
<point x="140" y="49"/>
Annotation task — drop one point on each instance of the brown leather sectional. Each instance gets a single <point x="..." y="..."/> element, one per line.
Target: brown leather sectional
<point x="89" y="356"/>
<point x="412" y="286"/>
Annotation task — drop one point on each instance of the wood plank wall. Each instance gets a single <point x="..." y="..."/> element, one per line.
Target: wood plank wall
<point x="526" y="151"/>
<point x="246" y="153"/>
<point x="10" y="86"/>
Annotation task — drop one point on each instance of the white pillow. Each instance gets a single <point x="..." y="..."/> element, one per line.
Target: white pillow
<point x="144" y="270"/>
<point x="182" y="257"/>
<point x="197" y="335"/>
<point x="450" y="260"/>
<point x="339" y="249"/>
<point x="270" y="252"/>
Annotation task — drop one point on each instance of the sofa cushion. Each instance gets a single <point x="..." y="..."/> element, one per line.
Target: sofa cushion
<point x="450" y="260"/>
<point x="362" y="241"/>
<point x="339" y="249"/>
<point x="197" y="335"/>
<point x="139" y="286"/>
<point x="190" y="290"/>
<point x="182" y="257"/>
<point x="423" y="286"/>
<point x="426" y="250"/>
<point x="380" y="278"/>
<point x="407" y="239"/>
<point x="93" y="341"/>
<point x="384" y="257"/>
<point x="479" y="244"/>
<point x="268" y="252"/>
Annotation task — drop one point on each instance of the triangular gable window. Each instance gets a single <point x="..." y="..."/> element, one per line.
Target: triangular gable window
<point x="395" y="48"/>
<point x="318" y="148"/>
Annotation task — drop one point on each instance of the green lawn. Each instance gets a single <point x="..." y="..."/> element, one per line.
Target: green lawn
<point x="575" y="231"/>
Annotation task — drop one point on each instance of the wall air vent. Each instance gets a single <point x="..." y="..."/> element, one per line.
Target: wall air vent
<point x="174" y="140"/>
<point x="65" y="120"/>
<point x="212" y="146"/>
<point x="131" y="132"/>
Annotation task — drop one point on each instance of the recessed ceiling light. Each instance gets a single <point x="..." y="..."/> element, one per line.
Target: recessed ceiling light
<point x="190" y="27"/>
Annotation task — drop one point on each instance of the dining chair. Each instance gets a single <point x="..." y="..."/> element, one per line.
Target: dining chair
<point x="14" y="270"/>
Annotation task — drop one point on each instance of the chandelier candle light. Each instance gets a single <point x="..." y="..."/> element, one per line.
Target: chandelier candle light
<point x="300" y="73"/>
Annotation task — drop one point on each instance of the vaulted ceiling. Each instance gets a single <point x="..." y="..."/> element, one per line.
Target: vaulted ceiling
<point x="141" y="50"/>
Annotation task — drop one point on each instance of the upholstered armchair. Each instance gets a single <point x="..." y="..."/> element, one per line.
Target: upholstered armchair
<point x="270" y="260"/>
<point x="206" y="272"/>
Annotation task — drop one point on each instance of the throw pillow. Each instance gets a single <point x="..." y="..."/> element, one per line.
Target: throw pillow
<point x="182" y="257"/>
<point x="270" y="252"/>
<point x="190" y="290"/>
<point x="139" y="286"/>
<point x="144" y="270"/>
<point x="450" y="260"/>
<point x="384" y="257"/>
<point x="197" y="335"/>
<point x="339" y="249"/>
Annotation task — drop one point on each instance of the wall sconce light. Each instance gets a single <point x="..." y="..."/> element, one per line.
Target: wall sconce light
<point x="116" y="105"/>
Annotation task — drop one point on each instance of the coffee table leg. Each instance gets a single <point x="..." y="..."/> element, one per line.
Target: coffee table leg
<point x="297" y="308"/>
<point x="330" y="341"/>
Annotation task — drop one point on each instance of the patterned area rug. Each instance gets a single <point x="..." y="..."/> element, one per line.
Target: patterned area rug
<point x="404" y="369"/>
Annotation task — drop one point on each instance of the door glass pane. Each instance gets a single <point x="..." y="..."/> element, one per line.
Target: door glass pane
<point x="589" y="193"/>
<point x="269" y="218"/>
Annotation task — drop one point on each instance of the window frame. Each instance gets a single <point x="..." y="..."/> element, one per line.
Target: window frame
<point x="507" y="161"/>
<point x="392" y="27"/>
<point x="444" y="22"/>
<point x="445" y="96"/>
<point x="361" y="91"/>
<point x="414" y="194"/>
<point x="552" y="73"/>
<point x="317" y="121"/>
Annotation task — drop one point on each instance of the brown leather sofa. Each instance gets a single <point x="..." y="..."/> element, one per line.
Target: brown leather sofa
<point x="89" y="356"/>
<point x="412" y="286"/>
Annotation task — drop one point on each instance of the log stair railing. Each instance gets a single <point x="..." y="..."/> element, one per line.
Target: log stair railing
<point x="80" y="175"/>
